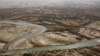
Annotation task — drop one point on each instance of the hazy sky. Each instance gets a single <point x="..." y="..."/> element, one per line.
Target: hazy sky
<point x="26" y="3"/>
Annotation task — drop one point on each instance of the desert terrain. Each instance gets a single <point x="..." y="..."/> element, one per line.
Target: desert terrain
<point x="65" y="25"/>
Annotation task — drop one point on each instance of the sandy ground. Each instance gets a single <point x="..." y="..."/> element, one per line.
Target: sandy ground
<point x="64" y="26"/>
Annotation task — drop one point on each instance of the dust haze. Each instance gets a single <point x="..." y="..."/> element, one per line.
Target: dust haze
<point x="35" y="3"/>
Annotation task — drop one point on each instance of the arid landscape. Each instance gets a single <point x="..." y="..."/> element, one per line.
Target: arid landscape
<point x="65" y="25"/>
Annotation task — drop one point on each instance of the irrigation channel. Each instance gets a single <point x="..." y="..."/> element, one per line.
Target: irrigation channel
<point x="41" y="30"/>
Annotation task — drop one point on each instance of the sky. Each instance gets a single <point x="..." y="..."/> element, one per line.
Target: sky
<point x="32" y="3"/>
